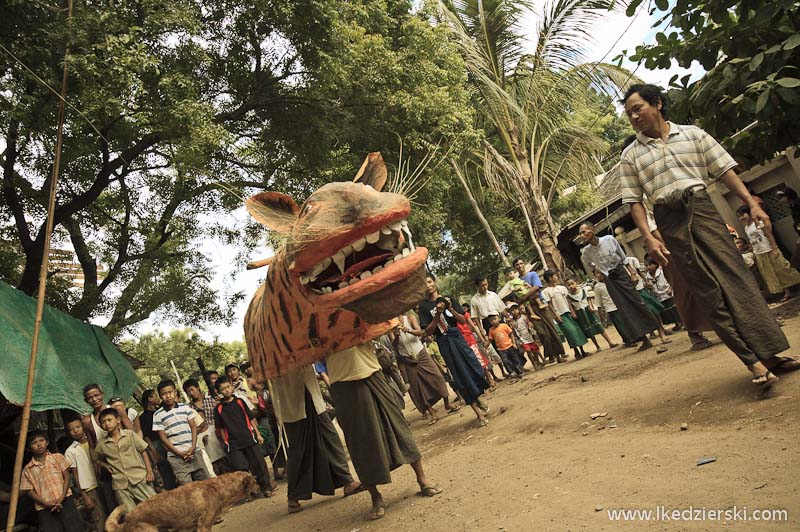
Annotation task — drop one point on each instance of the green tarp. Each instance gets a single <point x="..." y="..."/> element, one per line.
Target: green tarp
<point x="71" y="354"/>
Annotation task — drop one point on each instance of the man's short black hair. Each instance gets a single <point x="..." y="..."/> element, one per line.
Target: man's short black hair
<point x="69" y="420"/>
<point x="108" y="412"/>
<point x="166" y="383"/>
<point x="222" y="380"/>
<point x="92" y="386"/>
<point x="229" y="366"/>
<point x="587" y="223"/>
<point x="743" y="209"/>
<point x="649" y="93"/>
<point x="479" y="279"/>
<point x="517" y="260"/>
<point x="146" y="395"/>
<point x="36" y="433"/>
<point x="190" y="382"/>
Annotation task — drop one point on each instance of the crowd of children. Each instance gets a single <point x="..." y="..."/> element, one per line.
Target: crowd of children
<point x="117" y="456"/>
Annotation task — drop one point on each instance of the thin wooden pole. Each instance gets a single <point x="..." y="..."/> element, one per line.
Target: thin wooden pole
<point x="26" y="406"/>
<point x="479" y="214"/>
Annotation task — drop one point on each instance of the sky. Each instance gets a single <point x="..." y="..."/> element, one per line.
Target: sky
<point x="231" y="276"/>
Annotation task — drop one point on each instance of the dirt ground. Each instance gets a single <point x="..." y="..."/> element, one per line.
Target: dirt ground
<point x="543" y="464"/>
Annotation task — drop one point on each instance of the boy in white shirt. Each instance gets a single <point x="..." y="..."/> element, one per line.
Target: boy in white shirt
<point x="778" y="275"/>
<point x="79" y="455"/>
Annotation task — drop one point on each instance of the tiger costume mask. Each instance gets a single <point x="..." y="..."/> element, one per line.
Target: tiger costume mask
<point x="348" y="266"/>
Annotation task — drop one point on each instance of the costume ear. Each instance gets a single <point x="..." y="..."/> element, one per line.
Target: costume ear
<point x="274" y="210"/>
<point x="372" y="172"/>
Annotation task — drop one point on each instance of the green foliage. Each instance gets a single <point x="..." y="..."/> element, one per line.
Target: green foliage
<point x="191" y="106"/>
<point x="751" y="50"/>
<point x="539" y="110"/>
<point x="181" y="346"/>
<point x="567" y="208"/>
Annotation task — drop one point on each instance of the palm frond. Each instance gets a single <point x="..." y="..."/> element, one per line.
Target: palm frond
<point x="564" y="30"/>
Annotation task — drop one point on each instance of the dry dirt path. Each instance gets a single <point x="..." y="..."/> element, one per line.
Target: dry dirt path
<point x="543" y="465"/>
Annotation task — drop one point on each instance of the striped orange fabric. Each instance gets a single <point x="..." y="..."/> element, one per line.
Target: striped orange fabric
<point x="46" y="479"/>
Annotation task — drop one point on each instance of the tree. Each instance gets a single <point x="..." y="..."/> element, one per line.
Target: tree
<point x="179" y="110"/>
<point x="751" y="51"/>
<point x="527" y="103"/>
<point x="182" y="347"/>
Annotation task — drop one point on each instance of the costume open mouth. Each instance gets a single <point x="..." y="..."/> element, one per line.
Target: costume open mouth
<point x="358" y="261"/>
<point x="378" y="275"/>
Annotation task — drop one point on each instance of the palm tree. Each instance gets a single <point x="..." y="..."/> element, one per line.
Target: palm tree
<point x="528" y="102"/>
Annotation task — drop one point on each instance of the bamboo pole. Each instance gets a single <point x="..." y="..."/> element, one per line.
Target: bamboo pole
<point x="26" y="406"/>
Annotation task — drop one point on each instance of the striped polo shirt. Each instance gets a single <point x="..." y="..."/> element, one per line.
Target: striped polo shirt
<point x="175" y="423"/>
<point x="654" y="168"/>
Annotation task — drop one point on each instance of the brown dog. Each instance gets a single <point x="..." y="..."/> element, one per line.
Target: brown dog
<point x="194" y="506"/>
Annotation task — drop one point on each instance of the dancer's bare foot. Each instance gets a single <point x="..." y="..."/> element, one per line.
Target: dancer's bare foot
<point x="378" y="509"/>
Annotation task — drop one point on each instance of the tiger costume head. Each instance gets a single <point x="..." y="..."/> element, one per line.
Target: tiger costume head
<point x="348" y="266"/>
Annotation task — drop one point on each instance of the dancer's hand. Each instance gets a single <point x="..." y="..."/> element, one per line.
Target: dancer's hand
<point x="657" y="250"/>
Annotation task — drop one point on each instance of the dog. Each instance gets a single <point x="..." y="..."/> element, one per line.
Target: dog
<point x="195" y="506"/>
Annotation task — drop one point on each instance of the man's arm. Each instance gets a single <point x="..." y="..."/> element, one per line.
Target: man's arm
<point x="65" y="476"/>
<point x="149" y="476"/>
<point x="87" y="501"/>
<point x="123" y="416"/>
<point x="501" y="307"/>
<point x="137" y="426"/>
<point x="655" y="248"/>
<point x="168" y="444"/>
<point x="587" y="264"/>
<point x="193" y="428"/>
<point x="475" y="321"/>
<point x="478" y="331"/>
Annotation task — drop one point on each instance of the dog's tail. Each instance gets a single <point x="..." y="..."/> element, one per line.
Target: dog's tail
<point x="115" y="520"/>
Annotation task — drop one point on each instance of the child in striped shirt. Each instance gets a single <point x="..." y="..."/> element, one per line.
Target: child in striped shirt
<point x="175" y="425"/>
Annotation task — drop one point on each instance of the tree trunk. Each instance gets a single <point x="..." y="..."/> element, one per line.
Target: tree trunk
<point x="480" y="215"/>
<point x="531" y="232"/>
<point x="546" y="230"/>
<point x="543" y="232"/>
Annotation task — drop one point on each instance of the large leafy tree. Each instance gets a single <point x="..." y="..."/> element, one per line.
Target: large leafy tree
<point x="177" y="110"/>
<point x="528" y="102"/>
<point x="751" y="51"/>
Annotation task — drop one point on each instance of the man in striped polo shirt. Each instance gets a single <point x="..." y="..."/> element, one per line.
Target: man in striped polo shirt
<point x="175" y="425"/>
<point x="672" y="164"/>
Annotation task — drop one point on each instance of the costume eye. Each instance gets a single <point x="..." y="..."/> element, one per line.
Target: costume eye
<point x="307" y="209"/>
